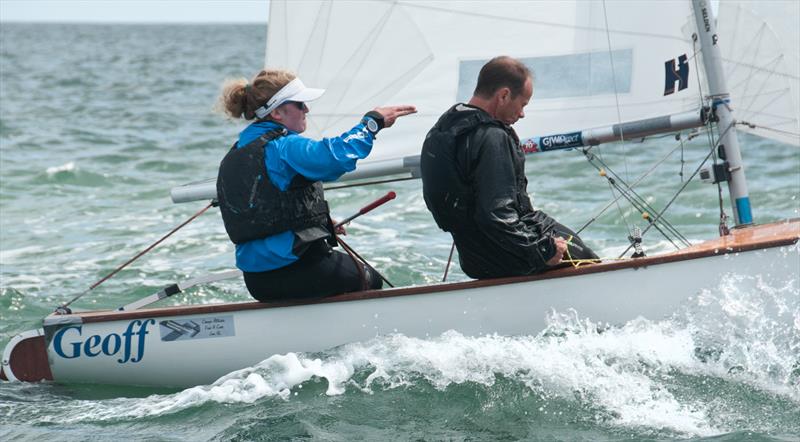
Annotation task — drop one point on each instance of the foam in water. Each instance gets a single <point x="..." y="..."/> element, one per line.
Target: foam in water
<point x="756" y="338"/>
<point x="735" y="334"/>
<point x="8" y="257"/>
<point x="68" y="167"/>
<point x="575" y="361"/>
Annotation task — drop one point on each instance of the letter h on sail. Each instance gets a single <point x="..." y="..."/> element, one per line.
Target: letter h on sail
<point x="671" y="75"/>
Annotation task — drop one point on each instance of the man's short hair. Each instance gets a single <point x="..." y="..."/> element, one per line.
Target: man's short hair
<point x="499" y="72"/>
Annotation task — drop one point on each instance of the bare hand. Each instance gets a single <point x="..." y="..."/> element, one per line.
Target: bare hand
<point x="391" y="113"/>
<point x="561" y="248"/>
<point x="338" y="229"/>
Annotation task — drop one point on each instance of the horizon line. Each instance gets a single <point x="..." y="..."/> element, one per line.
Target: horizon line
<point x="123" y="22"/>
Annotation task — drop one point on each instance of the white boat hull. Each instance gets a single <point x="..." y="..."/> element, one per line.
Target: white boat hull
<point x="202" y="343"/>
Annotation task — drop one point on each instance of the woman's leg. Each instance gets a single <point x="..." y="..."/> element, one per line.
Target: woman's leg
<point x="319" y="272"/>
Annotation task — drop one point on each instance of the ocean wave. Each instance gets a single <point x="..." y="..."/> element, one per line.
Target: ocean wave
<point x="677" y="375"/>
<point x="596" y="369"/>
<point x="68" y="167"/>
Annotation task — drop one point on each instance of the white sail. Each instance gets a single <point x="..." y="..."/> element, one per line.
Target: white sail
<point x="428" y="54"/>
<point x="761" y="56"/>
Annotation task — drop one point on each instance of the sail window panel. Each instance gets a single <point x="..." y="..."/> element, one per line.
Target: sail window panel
<point x="563" y="76"/>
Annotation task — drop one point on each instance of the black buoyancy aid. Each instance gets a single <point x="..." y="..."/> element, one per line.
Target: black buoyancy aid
<point x="253" y="208"/>
<point x="446" y="178"/>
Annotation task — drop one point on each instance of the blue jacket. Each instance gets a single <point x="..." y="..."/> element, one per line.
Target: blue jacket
<point x="323" y="160"/>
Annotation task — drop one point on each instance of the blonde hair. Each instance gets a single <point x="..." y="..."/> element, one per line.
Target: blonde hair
<point x="240" y="99"/>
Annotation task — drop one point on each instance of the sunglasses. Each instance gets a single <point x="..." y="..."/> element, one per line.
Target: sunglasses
<point x="298" y="104"/>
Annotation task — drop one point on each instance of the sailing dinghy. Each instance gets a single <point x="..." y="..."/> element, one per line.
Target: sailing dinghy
<point x="625" y="70"/>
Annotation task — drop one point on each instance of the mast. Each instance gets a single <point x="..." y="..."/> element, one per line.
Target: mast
<point x="720" y="98"/>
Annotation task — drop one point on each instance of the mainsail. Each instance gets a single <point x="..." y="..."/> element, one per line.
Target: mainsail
<point x="595" y="63"/>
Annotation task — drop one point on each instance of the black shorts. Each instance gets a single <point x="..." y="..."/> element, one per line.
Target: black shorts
<point x="320" y="271"/>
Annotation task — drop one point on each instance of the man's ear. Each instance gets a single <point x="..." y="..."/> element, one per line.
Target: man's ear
<point x="504" y="94"/>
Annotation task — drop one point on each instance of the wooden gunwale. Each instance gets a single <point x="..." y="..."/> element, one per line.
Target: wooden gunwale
<point x="782" y="233"/>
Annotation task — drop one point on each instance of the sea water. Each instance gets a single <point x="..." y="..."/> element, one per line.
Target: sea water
<point x="98" y="122"/>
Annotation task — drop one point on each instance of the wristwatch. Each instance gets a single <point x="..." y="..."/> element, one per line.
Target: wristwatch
<point x="373" y="121"/>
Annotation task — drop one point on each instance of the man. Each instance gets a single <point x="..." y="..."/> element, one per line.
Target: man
<point x="473" y="178"/>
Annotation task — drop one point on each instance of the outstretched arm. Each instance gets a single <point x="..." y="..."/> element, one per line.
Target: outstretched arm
<point x="330" y="158"/>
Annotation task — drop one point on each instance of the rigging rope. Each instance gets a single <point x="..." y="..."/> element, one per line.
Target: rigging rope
<point x="634" y="198"/>
<point x="362" y="273"/>
<point x="578" y="262"/>
<point x="710" y="154"/>
<point x="619" y="121"/>
<point x="616" y="93"/>
<point x="697" y="69"/>
<point x="64" y="308"/>
<point x="352" y="252"/>
<point x="635" y="183"/>
<point x="449" y="260"/>
<point x="757" y="126"/>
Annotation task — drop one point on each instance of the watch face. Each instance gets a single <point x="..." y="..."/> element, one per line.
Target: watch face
<point x="372" y="125"/>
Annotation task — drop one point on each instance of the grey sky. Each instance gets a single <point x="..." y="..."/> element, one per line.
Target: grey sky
<point x="142" y="11"/>
<point x="135" y="11"/>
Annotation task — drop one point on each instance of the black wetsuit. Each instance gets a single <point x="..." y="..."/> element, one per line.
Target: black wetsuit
<point x="474" y="183"/>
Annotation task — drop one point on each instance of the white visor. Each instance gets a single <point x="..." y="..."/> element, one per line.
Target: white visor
<point x="295" y="90"/>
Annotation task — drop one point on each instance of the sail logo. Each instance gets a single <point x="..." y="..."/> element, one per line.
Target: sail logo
<point x="676" y="74"/>
<point x="529" y="146"/>
<point x="561" y="141"/>
<point x="68" y="342"/>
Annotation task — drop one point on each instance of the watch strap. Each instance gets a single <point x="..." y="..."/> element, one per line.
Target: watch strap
<point x="373" y="121"/>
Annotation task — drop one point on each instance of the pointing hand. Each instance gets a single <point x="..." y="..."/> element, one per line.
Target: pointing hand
<point x="391" y="113"/>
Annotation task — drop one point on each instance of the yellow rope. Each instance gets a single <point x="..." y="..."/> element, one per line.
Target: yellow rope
<point x="578" y="262"/>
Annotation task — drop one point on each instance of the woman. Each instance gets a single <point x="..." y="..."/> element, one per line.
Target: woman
<point x="270" y="192"/>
